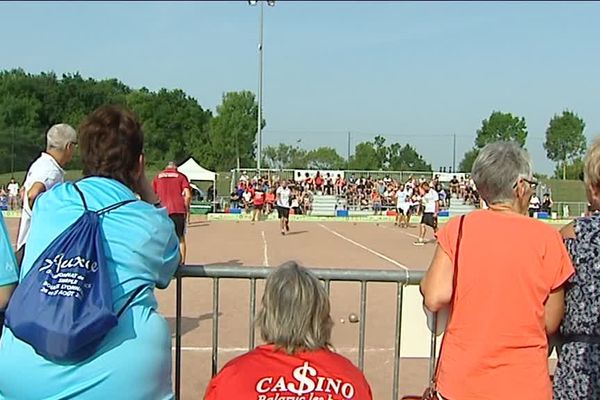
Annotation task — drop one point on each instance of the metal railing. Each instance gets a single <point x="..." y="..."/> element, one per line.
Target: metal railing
<point x="217" y="272"/>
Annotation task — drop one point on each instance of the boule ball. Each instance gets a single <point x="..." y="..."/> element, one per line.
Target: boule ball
<point x="352" y="318"/>
<point x="342" y="321"/>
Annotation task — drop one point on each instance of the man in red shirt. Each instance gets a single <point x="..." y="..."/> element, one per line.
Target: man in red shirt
<point x="173" y="190"/>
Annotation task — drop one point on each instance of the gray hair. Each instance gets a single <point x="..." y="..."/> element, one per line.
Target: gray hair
<point x="171" y="164"/>
<point x="59" y="136"/>
<point x="497" y="168"/>
<point x="295" y="310"/>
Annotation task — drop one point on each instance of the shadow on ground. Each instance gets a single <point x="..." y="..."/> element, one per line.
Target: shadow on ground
<point x="295" y="233"/>
<point x="188" y="324"/>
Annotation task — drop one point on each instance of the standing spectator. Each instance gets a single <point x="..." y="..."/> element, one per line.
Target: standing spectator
<point x="13" y="194"/>
<point x="546" y="204"/>
<point x="431" y="207"/>
<point x="283" y="195"/>
<point x="534" y="205"/>
<point x="45" y="173"/>
<point x="258" y="200"/>
<point x="9" y="275"/>
<point x="247" y="198"/>
<point x="577" y="375"/>
<point x="244" y="177"/>
<point x="141" y="252"/>
<point x="173" y="190"/>
<point x="376" y="201"/>
<point x="319" y="182"/>
<point x="295" y="324"/>
<point x="270" y="200"/>
<point x="504" y="287"/>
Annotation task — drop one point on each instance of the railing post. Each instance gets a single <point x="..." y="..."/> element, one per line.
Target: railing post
<point x="215" y="327"/>
<point x="252" y="314"/>
<point x="362" y="325"/>
<point x="398" y="341"/>
<point x="433" y="348"/>
<point x="178" y="297"/>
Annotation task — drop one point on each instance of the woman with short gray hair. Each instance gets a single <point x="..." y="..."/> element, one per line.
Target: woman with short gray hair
<point x="295" y="323"/>
<point x="577" y="374"/>
<point x="502" y="275"/>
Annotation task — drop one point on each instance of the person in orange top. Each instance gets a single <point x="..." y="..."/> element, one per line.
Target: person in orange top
<point x="296" y="362"/>
<point x="507" y="294"/>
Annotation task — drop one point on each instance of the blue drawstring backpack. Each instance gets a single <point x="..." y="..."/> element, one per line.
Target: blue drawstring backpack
<point x="64" y="307"/>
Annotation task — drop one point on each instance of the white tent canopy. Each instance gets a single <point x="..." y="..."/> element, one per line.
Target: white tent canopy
<point x="195" y="172"/>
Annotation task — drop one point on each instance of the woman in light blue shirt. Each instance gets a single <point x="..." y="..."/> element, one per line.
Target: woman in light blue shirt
<point x="8" y="268"/>
<point x="134" y="360"/>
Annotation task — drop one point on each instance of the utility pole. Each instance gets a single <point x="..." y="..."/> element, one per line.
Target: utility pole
<point x="454" y="152"/>
<point x="348" y="153"/>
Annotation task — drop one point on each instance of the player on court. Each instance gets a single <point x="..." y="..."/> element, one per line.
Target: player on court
<point x="402" y="207"/>
<point x="431" y="203"/>
<point x="173" y="189"/>
<point x="283" y="195"/>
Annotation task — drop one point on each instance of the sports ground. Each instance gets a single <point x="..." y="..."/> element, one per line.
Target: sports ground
<point x="332" y="244"/>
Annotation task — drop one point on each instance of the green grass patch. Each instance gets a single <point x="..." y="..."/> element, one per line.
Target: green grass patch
<point x="223" y="179"/>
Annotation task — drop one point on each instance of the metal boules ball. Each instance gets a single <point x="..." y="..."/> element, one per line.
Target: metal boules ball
<point x="352" y="318"/>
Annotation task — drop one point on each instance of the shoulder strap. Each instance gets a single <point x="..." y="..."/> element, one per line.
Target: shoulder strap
<point x="114" y="206"/>
<point x="130" y="300"/>
<point x="81" y="195"/>
<point x="454" y="286"/>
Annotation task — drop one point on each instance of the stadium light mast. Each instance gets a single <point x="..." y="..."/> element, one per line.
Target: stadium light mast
<point x="260" y="79"/>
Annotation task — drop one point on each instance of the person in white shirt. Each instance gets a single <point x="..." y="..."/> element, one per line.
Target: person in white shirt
<point x="44" y="173"/>
<point x="534" y="205"/>
<point x="431" y="206"/>
<point x="283" y="195"/>
<point x="13" y="194"/>
<point x="402" y="207"/>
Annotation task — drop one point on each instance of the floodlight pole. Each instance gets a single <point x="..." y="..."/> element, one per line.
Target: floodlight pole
<point x="260" y="90"/>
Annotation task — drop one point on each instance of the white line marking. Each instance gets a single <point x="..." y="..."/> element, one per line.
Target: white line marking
<point x="376" y="253"/>
<point x="208" y="349"/>
<point x="265" y="250"/>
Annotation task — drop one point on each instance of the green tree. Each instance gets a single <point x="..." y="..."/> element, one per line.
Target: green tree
<point x="466" y="165"/>
<point x="570" y="170"/>
<point x="370" y="155"/>
<point x="284" y="156"/>
<point x="232" y="139"/>
<point x="406" y="159"/>
<point x="565" y="141"/>
<point x="324" y="158"/>
<point x="501" y="126"/>
<point x="364" y="157"/>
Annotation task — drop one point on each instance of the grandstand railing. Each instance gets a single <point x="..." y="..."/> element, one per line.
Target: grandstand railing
<point x="216" y="273"/>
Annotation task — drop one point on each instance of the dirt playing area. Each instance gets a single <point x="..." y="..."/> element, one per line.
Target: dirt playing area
<point x="312" y="244"/>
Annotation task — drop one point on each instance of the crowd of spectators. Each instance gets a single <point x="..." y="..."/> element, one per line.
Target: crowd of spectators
<point x="258" y="194"/>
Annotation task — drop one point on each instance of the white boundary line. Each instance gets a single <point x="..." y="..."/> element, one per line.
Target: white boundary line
<point x="208" y="349"/>
<point x="265" y="250"/>
<point x="376" y="253"/>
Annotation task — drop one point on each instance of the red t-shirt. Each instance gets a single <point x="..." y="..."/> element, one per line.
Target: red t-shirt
<point x="267" y="374"/>
<point x="259" y="198"/>
<point x="169" y="186"/>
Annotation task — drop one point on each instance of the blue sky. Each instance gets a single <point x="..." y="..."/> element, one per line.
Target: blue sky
<point x="414" y="72"/>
